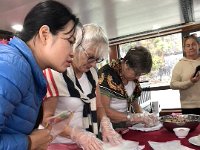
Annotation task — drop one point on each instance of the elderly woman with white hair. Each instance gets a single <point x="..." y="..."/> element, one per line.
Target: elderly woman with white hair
<point x="76" y="90"/>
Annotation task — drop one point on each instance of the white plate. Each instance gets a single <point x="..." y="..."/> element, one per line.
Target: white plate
<point x="195" y="140"/>
<point x="141" y="127"/>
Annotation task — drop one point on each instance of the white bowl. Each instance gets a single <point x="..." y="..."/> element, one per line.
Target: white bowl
<point x="181" y="132"/>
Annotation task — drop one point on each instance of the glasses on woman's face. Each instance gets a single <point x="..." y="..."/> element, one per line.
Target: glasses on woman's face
<point x="91" y="59"/>
<point x="138" y="74"/>
<point x="135" y="73"/>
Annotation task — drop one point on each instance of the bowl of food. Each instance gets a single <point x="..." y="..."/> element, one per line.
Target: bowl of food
<point x="190" y="121"/>
<point x="181" y="132"/>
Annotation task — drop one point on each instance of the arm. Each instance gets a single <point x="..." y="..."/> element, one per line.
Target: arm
<point x="108" y="133"/>
<point x="103" y="100"/>
<point x="49" y="107"/>
<point x="84" y="139"/>
<point x="114" y="115"/>
<point x="10" y="97"/>
<point x="100" y="108"/>
<point x="137" y="108"/>
<point x="58" y="126"/>
<point x="13" y="141"/>
<point x="176" y="81"/>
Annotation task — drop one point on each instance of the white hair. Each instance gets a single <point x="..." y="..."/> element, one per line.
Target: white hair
<point x="92" y="36"/>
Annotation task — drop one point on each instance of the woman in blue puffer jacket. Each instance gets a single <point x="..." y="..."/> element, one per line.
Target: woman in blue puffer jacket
<point x="45" y="42"/>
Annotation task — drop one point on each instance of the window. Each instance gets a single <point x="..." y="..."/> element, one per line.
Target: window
<point x="166" y="51"/>
<point x="197" y="34"/>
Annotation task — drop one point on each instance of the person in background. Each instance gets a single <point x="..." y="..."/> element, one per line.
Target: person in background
<point x="46" y="41"/>
<point x="5" y="36"/>
<point x="183" y="78"/>
<point x="120" y="88"/>
<point x="77" y="91"/>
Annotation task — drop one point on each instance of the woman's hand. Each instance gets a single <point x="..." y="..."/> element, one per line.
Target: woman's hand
<point x="146" y="118"/>
<point x="85" y="139"/>
<point x="195" y="78"/>
<point x="39" y="139"/>
<point x="108" y="133"/>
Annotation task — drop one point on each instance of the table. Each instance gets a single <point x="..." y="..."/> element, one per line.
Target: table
<point x="161" y="135"/>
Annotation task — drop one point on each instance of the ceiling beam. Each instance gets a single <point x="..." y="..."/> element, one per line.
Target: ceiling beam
<point x="156" y="33"/>
<point x="187" y="10"/>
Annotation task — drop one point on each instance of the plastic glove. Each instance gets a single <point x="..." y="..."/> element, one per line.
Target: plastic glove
<point x="148" y="119"/>
<point x="108" y="133"/>
<point x="59" y="122"/>
<point x="154" y="120"/>
<point x="86" y="140"/>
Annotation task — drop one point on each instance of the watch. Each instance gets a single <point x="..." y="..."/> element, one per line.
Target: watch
<point x="128" y="116"/>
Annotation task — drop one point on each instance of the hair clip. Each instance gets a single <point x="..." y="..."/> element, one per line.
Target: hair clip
<point x="132" y="49"/>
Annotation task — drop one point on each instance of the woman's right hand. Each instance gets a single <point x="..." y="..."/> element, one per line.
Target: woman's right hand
<point x="195" y="78"/>
<point x="146" y="118"/>
<point x="85" y="139"/>
<point x="39" y="139"/>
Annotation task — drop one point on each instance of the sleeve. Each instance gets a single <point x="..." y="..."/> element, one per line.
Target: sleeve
<point x="13" y="142"/>
<point x="102" y="76"/>
<point x="10" y="96"/>
<point x="102" y="81"/>
<point x="176" y="80"/>
<point x="137" y="90"/>
<point x="56" y="85"/>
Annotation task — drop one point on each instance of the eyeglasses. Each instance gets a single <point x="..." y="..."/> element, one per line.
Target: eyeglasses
<point x="135" y="73"/>
<point x="139" y="74"/>
<point x="92" y="59"/>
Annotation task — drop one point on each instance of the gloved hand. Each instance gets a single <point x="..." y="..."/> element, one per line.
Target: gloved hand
<point x="154" y="119"/>
<point x="148" y="119"/>
<point x="85" y="139"/>
<point x="108" y="133"/>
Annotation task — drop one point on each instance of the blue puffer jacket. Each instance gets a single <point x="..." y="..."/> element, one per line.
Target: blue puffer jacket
<point x="22" y="88"/>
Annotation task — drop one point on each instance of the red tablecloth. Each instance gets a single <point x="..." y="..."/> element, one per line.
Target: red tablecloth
<point x="161" y="135"/>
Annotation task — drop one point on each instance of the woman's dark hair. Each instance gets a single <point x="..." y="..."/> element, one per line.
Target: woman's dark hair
<point x="50" y="13"/>
<point x="139" y="59"/>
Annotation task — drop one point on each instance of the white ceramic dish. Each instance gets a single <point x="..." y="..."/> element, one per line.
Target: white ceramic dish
<point x="181" y="132"/>
<point x="195" y="140"/>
